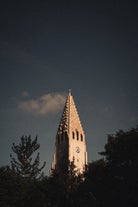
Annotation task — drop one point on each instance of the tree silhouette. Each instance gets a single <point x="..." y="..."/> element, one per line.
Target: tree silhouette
<point x="24" y="164"/>
<point x="121" y="155"/>
<point x="111" y="181"/>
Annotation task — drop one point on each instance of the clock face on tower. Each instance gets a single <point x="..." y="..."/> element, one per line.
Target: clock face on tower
<point x="77" y="149"/>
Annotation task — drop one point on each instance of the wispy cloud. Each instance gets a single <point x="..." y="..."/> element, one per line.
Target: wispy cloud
<point x="43" y="105"/>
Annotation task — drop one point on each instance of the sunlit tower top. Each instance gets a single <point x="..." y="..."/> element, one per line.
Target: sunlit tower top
<point x="70" y="139"/>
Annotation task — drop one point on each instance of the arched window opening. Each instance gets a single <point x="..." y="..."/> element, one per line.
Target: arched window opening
<point x="77" y="134"/>
<point x="73" y="135"/>
<point x="81" y="137"/>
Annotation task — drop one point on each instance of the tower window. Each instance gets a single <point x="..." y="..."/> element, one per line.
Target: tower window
<point x="73" y="135"/>
<point x="81" y="137"/>
<point x="77" y="133"/>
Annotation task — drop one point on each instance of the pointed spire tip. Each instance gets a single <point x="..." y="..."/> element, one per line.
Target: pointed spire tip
<point x="70" y="92"/>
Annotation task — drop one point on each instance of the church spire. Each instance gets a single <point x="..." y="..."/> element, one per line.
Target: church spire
<point x="70" y="117"/>
<point x="70" y="140"/>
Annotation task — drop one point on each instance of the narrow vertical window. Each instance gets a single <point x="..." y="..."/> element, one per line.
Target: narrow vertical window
<point x="77" y="134"/>
<point x="73" y="135"/>
<point x="81" y="137"/>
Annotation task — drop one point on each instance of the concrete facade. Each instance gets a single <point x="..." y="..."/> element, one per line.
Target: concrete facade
<point x="70" y="139"/>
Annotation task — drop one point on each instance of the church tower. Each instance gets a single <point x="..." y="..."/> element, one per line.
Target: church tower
<point x="70" y="139"/>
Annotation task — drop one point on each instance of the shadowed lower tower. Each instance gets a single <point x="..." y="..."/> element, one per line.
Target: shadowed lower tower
<point x="70" y="139"/>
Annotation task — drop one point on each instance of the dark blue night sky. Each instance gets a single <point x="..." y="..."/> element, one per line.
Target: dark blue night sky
<point x="48" y="47"/>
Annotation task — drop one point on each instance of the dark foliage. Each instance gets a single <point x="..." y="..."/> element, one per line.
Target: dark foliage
<point x="121" y="153"/>
<point x="112" y="181"/>
<point x="24" y="164"/>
